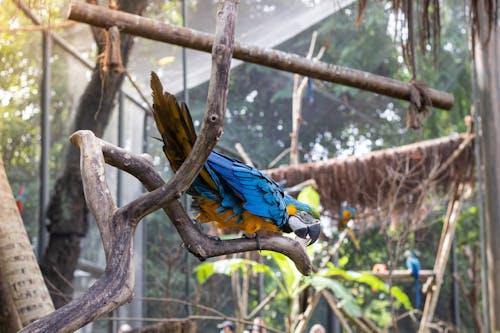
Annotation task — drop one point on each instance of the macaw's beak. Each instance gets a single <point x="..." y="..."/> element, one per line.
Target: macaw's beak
<point x="304" y="225"/>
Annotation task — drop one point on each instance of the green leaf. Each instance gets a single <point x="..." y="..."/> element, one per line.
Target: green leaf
<point x="343" y="261"/>
<point x="204" y="271"/>
<point x="309" y="196"/>
<point x="344" y="295"/>
<point x="291" y="276"/>
<point x="401" y="297"/>
<point x="228" y="267"/>
<point x="370" y="280"/>
<point x="473" y="210"/>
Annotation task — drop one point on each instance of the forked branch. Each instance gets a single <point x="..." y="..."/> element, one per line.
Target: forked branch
<point x="117" y="225"/>
<point x="197" y="242"/>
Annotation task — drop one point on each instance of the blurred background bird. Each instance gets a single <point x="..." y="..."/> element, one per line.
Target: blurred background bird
<point x="413" y="264"/>
<point x="346" y="214"/>
<point x="228" y="192"/>
<point x="20" y="198"/>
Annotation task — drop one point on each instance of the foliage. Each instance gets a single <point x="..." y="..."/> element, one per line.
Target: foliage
<point x="291" y="284"/>
<point x="227" y="267"/>
<point x="370" y="280"/>
<point x="20" y="78"/>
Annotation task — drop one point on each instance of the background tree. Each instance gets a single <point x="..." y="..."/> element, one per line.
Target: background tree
<point x="487" y="100"/>
<point x="23" y="290"/>
<point x="67" y="211"/>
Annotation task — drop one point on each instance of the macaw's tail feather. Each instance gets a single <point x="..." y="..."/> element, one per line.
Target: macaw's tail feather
<point x="176" y="128"/>
<point x="353" y="238"/>
<point x="174" y="123"/>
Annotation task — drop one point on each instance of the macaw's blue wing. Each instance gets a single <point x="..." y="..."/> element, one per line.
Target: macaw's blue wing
<point x="262" y="196"/>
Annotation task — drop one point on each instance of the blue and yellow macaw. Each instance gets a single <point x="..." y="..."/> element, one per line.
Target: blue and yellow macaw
<point x="413" y="264"/>
<point x="346" y="214"/>
<point x="227" y="192"/>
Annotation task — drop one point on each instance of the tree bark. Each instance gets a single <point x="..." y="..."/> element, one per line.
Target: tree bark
<point x="487" y="66"/>
<point x="67" y="211"/>
<point x="24" y="295"/>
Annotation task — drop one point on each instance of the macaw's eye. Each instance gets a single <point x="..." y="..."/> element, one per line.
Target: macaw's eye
<point x="297" y="226"/>
<point x="306" y="217"/>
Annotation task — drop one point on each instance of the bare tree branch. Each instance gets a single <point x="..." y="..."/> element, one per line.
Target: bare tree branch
<point x="97" y="194"/>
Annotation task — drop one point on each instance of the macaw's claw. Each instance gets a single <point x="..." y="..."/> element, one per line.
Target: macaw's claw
<point x="304" y="225"/>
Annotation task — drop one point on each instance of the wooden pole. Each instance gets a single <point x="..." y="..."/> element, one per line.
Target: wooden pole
<point x="151" y="29"/>
<point x="486" y="35"/>
<point x="405" y="275"/>
<point x="442" y="255"/>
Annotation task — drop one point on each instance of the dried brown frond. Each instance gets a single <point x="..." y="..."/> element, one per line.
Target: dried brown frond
<point x="483" y="15"/>
<point x="393" y="182"/>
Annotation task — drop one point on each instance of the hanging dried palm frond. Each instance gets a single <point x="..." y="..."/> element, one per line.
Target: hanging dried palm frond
<point x="429" y="24"/>
<point x="482" y="10"/>
<point x="429" y="27"/>
<point x="422" y="17"/>
<point x="395" y="180"/>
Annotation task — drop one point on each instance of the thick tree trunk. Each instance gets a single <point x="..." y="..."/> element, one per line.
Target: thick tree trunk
<point x="24" y="296"/>
<point x="488" y="75"/>
<point x="67" y="211"/>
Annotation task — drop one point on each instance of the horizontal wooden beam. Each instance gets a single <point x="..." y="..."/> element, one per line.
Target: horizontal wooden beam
<point x="168" y="33"/>
<point x="404" y="275"/>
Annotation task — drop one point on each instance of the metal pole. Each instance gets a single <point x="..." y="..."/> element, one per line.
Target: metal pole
<point x="121" y="121"/>
<point x="45" y="144"/>
<point x="260" y="283"/>
<point x="184" y="57"/>
<point x="187" y="202"/>
<point x="332" y="322"/>
<point x="114" y="325"/>
<point x="456" y="291"/>
<point x="480" y="205"/>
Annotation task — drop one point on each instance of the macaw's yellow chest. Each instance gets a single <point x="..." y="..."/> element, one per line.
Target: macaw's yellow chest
<point x="245" y="221"/>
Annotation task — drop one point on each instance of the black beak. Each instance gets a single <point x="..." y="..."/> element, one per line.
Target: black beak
<point x="304" y="226"/>
<point x="314" y="230"/>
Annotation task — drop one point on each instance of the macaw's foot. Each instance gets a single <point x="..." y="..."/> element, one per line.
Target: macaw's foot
<point x="212" y="237"/>
<point x="256" y="237"/>
<point x="304" y="226"/>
